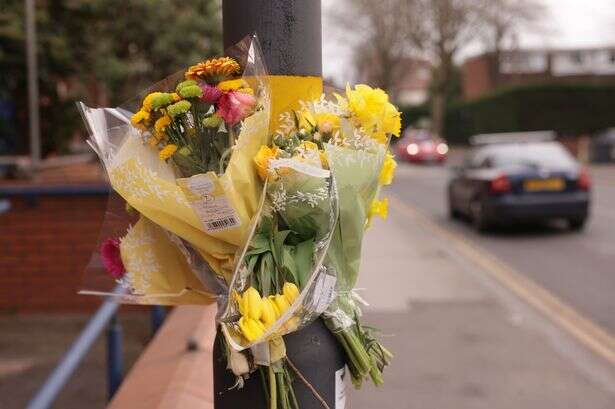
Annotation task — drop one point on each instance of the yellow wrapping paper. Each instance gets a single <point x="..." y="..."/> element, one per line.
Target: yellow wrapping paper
<point x="149" y="254"/>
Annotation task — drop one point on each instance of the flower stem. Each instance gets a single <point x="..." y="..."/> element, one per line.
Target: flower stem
<point x="273" y="402"/>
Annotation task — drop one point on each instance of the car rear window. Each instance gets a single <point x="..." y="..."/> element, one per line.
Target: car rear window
<point x="530" y="154"/>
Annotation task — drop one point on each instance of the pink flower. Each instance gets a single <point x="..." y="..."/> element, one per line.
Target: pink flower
<point x="211" y="94"/>
<point x="112" y="259"/>
<point x="235" y="106"/>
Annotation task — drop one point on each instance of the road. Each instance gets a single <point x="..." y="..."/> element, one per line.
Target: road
<point x="578" y="268"/>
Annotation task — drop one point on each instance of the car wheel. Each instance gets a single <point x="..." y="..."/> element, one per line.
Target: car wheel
<point x="478" y="216"/>
<point x="577" y="224"/>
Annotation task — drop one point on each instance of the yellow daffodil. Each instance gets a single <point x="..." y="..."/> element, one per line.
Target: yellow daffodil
<point x="262" y="158"/>
<point x="251" y="304"/>
<point x="388" y="170"/>
<point x="161" y="124"/>
<point x="290" y="291"/>
<point x="251" y="329"/>
<point x="306" y="120"/>
<point x="327" y="122"/>
<point x="379" y="208"/>
<point x="391" y="122"/>
<point x="371" y="109"/>
<point x="232" y="85"/>
<point x="167" y="152"/>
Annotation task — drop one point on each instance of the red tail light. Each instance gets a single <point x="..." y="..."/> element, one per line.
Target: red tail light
<point x="583" y="182"/>
<point x="499" y="185"/>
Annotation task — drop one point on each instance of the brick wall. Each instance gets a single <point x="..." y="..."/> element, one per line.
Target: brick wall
<point x="45" y="244"/>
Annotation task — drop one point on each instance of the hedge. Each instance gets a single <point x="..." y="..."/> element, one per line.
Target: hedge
<point x="565" y="108"/>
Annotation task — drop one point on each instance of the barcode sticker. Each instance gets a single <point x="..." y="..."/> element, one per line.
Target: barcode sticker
<point x="222" y="224"/>
<point x="206" y="196"/>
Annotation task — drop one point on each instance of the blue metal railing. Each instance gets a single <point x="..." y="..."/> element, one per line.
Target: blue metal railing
<point x="105" y="316"/>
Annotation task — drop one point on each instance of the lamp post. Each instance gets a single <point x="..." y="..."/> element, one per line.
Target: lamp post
<point x="289" y="32"/>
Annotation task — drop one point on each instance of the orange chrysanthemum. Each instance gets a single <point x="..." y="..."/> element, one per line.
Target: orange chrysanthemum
<point x="214" y="70"/>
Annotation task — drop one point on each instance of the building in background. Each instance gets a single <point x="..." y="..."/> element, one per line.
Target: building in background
<point x="411" y="79"/>
<point x="487" y="72"/>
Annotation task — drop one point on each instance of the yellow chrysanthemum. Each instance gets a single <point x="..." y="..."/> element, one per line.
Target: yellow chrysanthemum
<point x="147" y="101"/>
<point x="327" y="122"/>
<point x="167" y="152"/>
<point x="176" y="97"/>
<point x="379" y="208"/>
<point x="262" y="158"/>
<point x="140" y="119"/>
<point x="388" y="170"/>
<point x="161" y="124"/>
<point x="215" y="69"/>
<point x="232" y="85"/>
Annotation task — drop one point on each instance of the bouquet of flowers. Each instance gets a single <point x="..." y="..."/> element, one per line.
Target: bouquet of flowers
<point x="180" y="155"/>
<point x="268" y="224"/>
<point x="323" y="170"/>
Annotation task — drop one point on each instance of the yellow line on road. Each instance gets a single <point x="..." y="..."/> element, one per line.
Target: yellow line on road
<point x="581" y="328"/>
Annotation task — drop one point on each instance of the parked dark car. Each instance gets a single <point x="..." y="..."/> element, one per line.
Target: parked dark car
<point x="505" y="183"/>
<point x="421" y="146"/>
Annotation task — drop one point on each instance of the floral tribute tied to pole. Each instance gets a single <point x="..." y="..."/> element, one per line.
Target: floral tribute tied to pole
<point x="267" y="223"/>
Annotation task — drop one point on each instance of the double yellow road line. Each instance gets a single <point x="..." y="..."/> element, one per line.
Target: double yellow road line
<point x="581" y="328"/>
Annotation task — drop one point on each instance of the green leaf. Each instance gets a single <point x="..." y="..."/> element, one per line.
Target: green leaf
<point x="265" y="274"/>
<point x="251" y="262"/>
<point x="303" y="260"/>
<point x="288" y="264"/>
<point x="277" y="243"/>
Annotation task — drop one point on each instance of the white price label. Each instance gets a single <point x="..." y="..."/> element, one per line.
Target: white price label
<point x="214" y="210"/>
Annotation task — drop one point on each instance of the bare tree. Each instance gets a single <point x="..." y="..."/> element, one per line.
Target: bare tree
<point x="502" y="20"/>
<point x="445" y="27"/>
<point x="380" y="32"/>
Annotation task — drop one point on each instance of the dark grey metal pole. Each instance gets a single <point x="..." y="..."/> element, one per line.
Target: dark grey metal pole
<point x="290" y="32"/>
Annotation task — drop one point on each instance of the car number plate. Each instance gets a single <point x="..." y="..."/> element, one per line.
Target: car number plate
<point x="553" y="184"/>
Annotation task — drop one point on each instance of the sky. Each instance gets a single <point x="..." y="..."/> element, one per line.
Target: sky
<point x="569" y="24"/>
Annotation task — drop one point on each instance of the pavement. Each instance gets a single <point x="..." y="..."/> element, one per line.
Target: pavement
<point x="461" y="338"/>
<point x="31" y="346"/>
